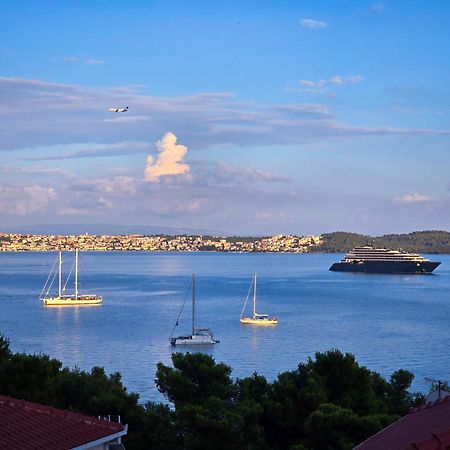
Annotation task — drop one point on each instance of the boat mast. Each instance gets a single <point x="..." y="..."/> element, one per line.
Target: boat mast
<point x="60" y="275"/>
<point x="254" y="296"/>
<point x="76" y="274"/>
<point x="193" y="303"/>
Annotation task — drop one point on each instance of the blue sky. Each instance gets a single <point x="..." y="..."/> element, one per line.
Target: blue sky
<point x="246" y="117"/>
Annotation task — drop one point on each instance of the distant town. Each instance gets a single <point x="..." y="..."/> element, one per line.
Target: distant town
<point x="183" y="243"/>
<point x="335" y="242"/>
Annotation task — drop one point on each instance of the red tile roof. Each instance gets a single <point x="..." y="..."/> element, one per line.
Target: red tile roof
<point x="424" y="428"/>
<point x="25" y="426"/>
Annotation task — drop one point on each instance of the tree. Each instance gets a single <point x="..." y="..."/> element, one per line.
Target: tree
<point x="298" y="405"/>
<point x="194" y="378"/>
<point x="40" y="379"/>
<point x="401" y="399"/>
<point x="329" y="402"/>
<point x="208" y="413"/>
<point x="5" y="352"/>
<point x="335" y="428"/>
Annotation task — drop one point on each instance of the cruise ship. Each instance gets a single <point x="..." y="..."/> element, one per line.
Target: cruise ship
<point x="381" y="260"/>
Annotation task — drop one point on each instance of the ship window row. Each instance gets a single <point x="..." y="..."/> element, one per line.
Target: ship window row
<point x="384" y="259"/>
<point x="382" y="253"/>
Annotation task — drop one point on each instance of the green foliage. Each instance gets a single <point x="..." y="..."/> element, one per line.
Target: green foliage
<point x="418" y="241"/>
<point x="40" y="379"/>
<point x="361" y="401"/>
<point x="401" y="399"/>
<point x="157" y="430"/>
<point x="335" y="428"/>
<point x="194" y="379"/>
<point x="5" y="351"/>
<point x="28" y="376"/>
<point x="328" y="402"/>
<point x="208" y="413"/>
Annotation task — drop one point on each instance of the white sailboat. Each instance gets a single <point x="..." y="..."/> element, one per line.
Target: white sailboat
<point x="256" y="319"/>
<point x="62" y="299"/>
<point x="199" y="336"/>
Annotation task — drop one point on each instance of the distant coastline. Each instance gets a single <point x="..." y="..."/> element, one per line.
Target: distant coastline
<point x="337" y="242"/>
<point x="432" y="241"/>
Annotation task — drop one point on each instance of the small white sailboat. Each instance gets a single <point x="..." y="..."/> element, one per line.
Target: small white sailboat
<point x="199" y="336"/>
<point x="62" y="299"/>
<point x="256" y="319"/>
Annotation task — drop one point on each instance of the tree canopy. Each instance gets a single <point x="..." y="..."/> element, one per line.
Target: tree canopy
<point x="327" y="402"/>
<point x="418" y="241"/>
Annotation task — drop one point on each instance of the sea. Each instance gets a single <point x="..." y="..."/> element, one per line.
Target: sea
<point x="388" y="322"/>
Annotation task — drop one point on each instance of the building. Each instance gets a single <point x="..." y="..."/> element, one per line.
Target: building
<point x="25" y="426"/>
<point x="424" y="428"/>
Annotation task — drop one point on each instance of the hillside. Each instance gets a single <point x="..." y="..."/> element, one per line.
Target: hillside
<point x="418" y="241"/>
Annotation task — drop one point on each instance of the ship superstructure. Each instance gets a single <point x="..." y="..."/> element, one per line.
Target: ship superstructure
<point x="382" y="260"/>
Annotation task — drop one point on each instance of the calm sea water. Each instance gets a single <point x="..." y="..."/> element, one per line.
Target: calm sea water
<point x="387" y="321"/>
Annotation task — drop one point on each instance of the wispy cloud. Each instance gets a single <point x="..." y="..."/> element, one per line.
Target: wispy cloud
<point x="304" y="110"/>
<point x="36" y="115"/>
<point x="169" y="160"/>
<point x="248" y="174"/>
<point x="128" y="119"/>
<point x="54" y="171"/>
<point x="414" y="110"/>
<point x="119" y="184"/>
<point x="80" y="60"/>
<point x="413" y="198"/>
<point x="25" y="200"/>
<point x="322" y="86"/>
<point x="311" y="23"/>
<point x="89" y="151"/>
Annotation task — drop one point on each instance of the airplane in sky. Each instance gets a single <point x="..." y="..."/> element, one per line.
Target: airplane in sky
<point x="118" y="109"/>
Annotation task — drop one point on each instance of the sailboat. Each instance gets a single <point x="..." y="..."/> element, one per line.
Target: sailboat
<point x="62" y="299"/>
<point x="256" y="319"/>
<point x="199" y="336"/>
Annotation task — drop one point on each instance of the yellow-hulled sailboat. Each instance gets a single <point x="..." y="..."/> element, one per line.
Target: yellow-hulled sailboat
<point x="62" y="299"/>
<point x="256" y="319"/>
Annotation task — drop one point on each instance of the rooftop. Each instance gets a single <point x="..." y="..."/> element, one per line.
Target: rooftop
<point x="25" y="426"/>
<point x="424" y="428"/>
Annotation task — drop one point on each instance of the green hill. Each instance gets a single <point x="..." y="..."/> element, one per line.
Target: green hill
<point x="418" y="241"/>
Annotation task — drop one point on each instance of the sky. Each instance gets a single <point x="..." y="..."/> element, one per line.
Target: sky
<point x="244" y="117"/>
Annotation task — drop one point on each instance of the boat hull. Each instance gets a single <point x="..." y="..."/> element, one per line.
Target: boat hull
<point x="251" y="321"/>
<point x="193" y="340"/>
<point x="395" y="267"/>
<point x="72" y="301"/>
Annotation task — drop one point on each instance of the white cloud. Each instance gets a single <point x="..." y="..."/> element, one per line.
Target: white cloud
<point x="118" y="185"/>
<point x="24" y="200"/>
<point x="248" y="174"/>
<point x="306" y="110"/>
<point x="311" y="23"/>
<point x="79" y="60"/>
<point x="128" y="119"/>
<point x="169" y="161"/>
<point x="321" y="86"/>
<point x="36" y="115"/>
<point x="413" y="110"/>
<point x="88" y="150"/>
<point x="413" y="198"/>
<point x="36" y="171"/>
